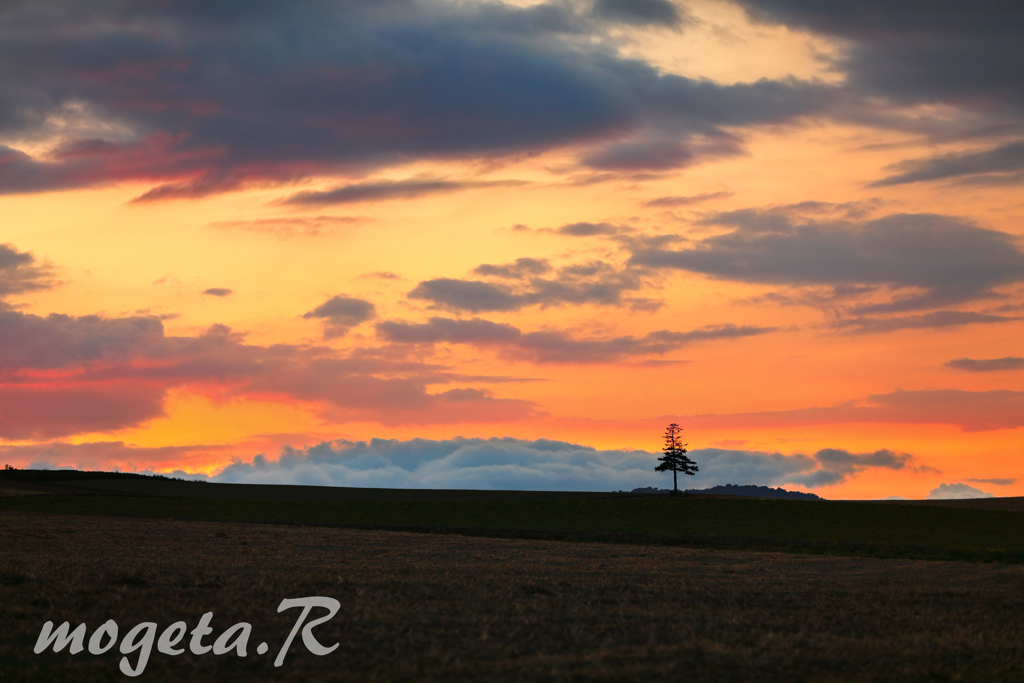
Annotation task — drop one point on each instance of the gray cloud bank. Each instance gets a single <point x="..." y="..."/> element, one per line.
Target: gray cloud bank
<point x="515" y="464"/>
<point x="199" y="99"/>
<point x="943" y="51"/>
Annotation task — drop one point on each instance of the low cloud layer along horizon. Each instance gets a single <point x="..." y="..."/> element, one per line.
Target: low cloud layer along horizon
<point x="957" y="492"/>
<point x="515" y="464"/>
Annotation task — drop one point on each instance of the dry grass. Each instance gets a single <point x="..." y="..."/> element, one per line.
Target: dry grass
<point x="451" y="608"/>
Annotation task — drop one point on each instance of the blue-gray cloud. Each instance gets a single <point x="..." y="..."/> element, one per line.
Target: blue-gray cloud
<point x="641" y="12"/>
<point x="515" y="464"/>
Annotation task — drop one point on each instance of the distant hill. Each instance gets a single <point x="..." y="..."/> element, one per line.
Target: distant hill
<point x="748" y="490"/>
<point x="15" y="474"/>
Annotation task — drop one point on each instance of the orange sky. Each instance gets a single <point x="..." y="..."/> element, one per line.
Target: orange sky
<point x="573" y="222"/>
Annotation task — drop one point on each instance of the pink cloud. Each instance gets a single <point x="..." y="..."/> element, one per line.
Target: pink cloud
<point x="66" y="375"/>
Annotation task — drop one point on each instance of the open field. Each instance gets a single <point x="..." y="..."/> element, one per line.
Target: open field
<point x="177" y="488"/>
<point x="449" y="608"/>
<point x="880" y="529"/>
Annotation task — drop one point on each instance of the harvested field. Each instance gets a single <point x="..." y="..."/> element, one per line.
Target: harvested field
<point x="448" y="608"/>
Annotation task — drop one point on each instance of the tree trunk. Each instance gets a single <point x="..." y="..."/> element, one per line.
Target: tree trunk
<point x="675" y="484"/>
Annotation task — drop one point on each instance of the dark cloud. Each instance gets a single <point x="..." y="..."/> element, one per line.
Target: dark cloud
<point x="641" y="12"/>
<point x="446" y="330"/>
<point x="662" y="148"/>
<point x="685" y="120"/>
<point x="198" y="102"/>
<point x="970" y="410"/>
<point x="342" y="313"/>
<point x="529" y="282"/>
<point x="963" y="54"/>
<point x="553" y="346"/>
<point x="20" y="272"/>
<point x="997" y="166"/>
<point x="681" y="200"/>
<point x="951" y="260"/>
<point x="987" y="364"/>
<point x="467" y="295"/>
<point x="935" y="320"/>
<point x="392" y="189"/>
<point x="835" y="465"/>
<point x="996" y="481"/>
<point x="218" y="291"/>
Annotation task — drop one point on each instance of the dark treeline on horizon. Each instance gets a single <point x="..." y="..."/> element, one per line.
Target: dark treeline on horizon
<point x="749" y="490"/>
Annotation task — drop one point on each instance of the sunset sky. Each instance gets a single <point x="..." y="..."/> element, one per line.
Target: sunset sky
<point x="502" y="245"/>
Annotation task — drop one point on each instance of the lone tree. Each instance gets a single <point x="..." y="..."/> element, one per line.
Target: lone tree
<point x="675" y="457"/>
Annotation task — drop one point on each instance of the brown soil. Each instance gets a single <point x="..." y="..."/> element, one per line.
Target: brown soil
<point x="451" y="608"/>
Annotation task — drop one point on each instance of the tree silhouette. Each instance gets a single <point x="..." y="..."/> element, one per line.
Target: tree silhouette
<point x="675" y="457"/>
